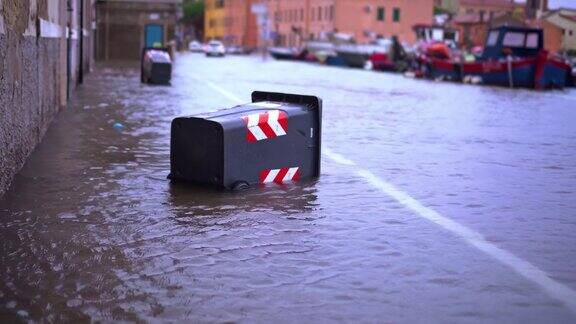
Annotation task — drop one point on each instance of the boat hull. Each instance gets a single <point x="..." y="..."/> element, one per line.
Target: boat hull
<point x="518" y="73"/>
<point x="353" y="59"/>
<point x="283" y="54"/>
<point x="551" y="73"/>
<point x="534" y="72"/>
<point x="381" y="62"/>
<point x="335" y="60"/>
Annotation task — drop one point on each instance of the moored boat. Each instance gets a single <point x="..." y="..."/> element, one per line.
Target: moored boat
<point x="283" y="53"/>
<point x="357" y="56"/>
<point x="353" y="55"/>
<point x="512" y="57"/>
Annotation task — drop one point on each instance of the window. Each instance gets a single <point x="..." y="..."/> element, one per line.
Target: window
<point x="319" y="13"/>
<point x="396" y="15"/>
<point x="331" y="12"/>
<point x="219" y="3"/>
<point x="301" y="14"/>
<point x="380" y="14"/>
<point x="437" y="34"/>
<point x="532" y="40"/>
<point x="492" y="38"/>
<point x="514" y="39"/>
<point x="312" y="14"/>
<point x="570" y="32"/>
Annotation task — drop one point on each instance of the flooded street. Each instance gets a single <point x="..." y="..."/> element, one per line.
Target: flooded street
<point x="438" y="202"/>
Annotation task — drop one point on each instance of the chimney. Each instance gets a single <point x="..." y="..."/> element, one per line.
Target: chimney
<point x="535" y="8"/>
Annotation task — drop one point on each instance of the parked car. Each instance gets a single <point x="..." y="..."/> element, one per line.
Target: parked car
<point x="195" y="47"/>
<point x="215" y="48"/>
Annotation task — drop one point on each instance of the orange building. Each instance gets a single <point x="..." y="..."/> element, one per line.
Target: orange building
<point x="297" y="20"/>
<point x="488" y="9"/>
<point x="240" y="24"/>
<point x="291" y="22"/>
<point x="475" y="17"/>
<point x="553" y="34"/>
<point x="367" y="19"/>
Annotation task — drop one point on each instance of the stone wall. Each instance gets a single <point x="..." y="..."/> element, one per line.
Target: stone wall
<point x="33" y="76"/>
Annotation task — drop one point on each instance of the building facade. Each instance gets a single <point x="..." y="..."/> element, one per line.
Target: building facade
<point x="368" y="19"/>
<point x="215" y="17"/>
<point x="291" y="22"/>
<point x="126" y="26"/>
<point x="240" y="25"/>
<point x="46" y="48"/>
<point x="365" y="20"/>
<point x="565" y="20"/>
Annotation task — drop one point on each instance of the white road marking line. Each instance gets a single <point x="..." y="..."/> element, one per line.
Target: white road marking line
<point x="224" y="92"/>
<point x="555" y="289"/>
<point x="336" y="157"/>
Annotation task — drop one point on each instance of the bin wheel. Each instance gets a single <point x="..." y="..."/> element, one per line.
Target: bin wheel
<point x="240" y="185"/>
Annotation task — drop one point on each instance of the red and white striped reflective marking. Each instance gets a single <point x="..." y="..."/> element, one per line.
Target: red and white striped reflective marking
<point x="270" y="124"/>
<point x="280" y="176"/>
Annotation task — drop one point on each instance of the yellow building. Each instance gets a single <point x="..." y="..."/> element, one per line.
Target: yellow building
<point x="214" y="19"/>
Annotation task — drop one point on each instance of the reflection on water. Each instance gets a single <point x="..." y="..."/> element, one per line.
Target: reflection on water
<point x="285" y="200"/>
<point x="92" y="229"/>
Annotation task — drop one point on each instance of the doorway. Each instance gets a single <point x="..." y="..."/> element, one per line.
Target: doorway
<point x="154" y="35"/>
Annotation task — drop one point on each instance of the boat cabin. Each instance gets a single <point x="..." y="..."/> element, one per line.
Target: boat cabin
<point x="432" y="34"/>
<point x="515" y="41"/>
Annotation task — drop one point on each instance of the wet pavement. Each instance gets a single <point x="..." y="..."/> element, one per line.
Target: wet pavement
<point x="480" y="225"/>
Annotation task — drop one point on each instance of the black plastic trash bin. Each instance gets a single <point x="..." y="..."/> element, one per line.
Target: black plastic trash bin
<point x="274" y="139"/>
<point x="156" y="66"/>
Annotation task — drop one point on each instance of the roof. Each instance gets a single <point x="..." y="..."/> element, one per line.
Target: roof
<point x="573" y="18"/>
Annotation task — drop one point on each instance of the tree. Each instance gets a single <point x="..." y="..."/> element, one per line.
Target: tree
<point x="194" y="16"/>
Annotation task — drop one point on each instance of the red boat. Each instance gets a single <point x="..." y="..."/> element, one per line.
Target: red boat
<point x="512" y="57"/>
